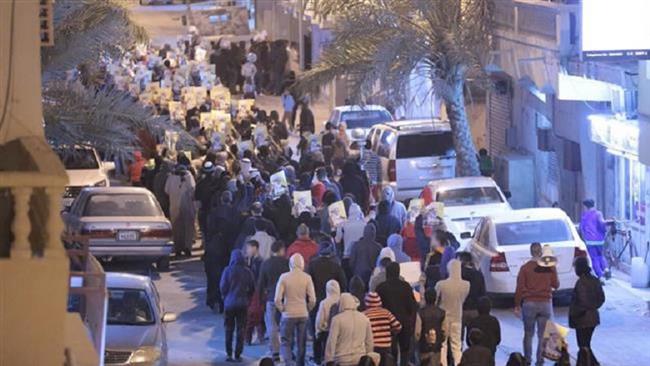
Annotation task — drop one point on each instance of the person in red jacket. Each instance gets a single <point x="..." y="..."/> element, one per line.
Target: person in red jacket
<point x="303" y="245"/>
<point x="135" y="169"/>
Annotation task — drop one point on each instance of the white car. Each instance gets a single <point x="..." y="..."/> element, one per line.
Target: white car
<point x="135" y="322"/>
<point x="501" y="246"/>
<point x="84" y="169"/>
<point x="413" y="153"/>
<point x="466" y="200"/>
<point x="359" y="120"/>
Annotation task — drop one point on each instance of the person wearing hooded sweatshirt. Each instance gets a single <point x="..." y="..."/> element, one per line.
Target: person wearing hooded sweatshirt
<point x="452" y="293"/>
<point x="353" y="182"/>
<point x="221" y="233"/>
<point x="395" y="242"/>
<point x="294" y="297"/>
<point x="350" y="336"/>
<point x="429" y="333"/>
<point x="180" y="188"/>
<point x="270" y="273"/>
<point x="387" y="224"/>
<point x="351" y="230"/>
<point x="322" y="323"/>
<point x="386" y="257"/>
<point x="397" y="296"/>
<point x="383" y="323"/>
<point x="237" y="287"/>
<point x="364" y="253"/>
<point x="303" y="245"/>
<point x="358" y="290"/>
<point x="396" y="208"/>
<point x="325" y="267"/>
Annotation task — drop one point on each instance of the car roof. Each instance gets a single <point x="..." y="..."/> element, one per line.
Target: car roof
<point x="117" y="190"/>
<point x="462" y="182"/>
<point x="419" y="125"/>
<point x="127" y="280"/>
<point x="528" y="214"/>
<point x="367" y="107"/>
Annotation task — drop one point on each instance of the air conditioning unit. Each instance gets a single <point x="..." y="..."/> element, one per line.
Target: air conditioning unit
<point x="516" y="173"/>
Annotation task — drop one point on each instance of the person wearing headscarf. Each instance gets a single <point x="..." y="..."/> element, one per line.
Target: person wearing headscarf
<point x="350" y="336"/>
<point x="358" y="290"/>
<point x="159" y="182"/>
<point x="387" y="224"/>
<point x="588" y="297"/>
<point x="352" y="182"/>
<point x="452" y="293"/>
<point x="364" y="253"/>
<point x="180" y="189"/>
<point x="221" y="224"/>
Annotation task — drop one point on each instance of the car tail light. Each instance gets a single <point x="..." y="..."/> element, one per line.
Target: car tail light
<point x="498" y="263"/>
<point x="94" y="233"/>
<point x="392" y="171"/>
<point x="157" y="233"/>
<point x="578" y="253"/>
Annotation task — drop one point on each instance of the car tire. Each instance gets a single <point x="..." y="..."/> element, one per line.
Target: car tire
<point x="162" y="264"/>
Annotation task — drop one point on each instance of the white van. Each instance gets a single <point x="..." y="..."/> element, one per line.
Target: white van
<point x="413" y="153"/>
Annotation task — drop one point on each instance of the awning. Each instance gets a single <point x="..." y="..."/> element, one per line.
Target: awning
<point x="579" y="88"/>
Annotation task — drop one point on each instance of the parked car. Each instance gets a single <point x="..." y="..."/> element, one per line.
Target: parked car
<point x="156" y="2"/>
<point x="121" y="222"/>
<point x="466" y="200"/>
<point x="413" y="153"/>
<point x="359" y="120"/>
<point x="501" y="246"/>
<point x="84" y="169"/>
<point x="135" y="322"/>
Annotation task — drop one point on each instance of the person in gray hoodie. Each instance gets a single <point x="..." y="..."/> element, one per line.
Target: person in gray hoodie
<point x="396" y="208"/>
<point x="294" y="298"/>
<point x="452" y="293"/>
<point x="350" y="336"/>
<point x="364" y="253"/>
<point x="395" y="242"/>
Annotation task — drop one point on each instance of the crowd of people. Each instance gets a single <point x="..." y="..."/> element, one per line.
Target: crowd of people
<point x="301" y="243"/>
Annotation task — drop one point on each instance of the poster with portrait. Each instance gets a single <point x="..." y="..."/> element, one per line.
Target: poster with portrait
<point x="337" y="213"/>
<point x="220" y="98"/>
<point x="301" y="202"/>
<point x="245" y="106"/>
<point x="176" y="111"/>
<point x="415" y="206"/>
<point x="171" y="138"/>
<point x="279" y="185"/>
<point x="165" y="96"/>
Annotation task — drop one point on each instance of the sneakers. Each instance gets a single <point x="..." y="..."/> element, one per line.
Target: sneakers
<point x="230" y="359"/>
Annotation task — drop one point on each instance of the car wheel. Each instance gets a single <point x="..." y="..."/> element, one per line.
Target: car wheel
<point x="162" y="264"/>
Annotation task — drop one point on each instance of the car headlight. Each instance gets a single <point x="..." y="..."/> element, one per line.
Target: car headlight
<point x="145" y="354"/>
<point x="101" y="183"/>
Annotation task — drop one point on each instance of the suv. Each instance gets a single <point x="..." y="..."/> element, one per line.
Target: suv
<point x="413" y="153"/>
<point x="84" y="169"/>
<point x="359" y="119"/>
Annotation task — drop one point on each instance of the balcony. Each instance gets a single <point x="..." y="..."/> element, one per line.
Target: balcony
<point x="35" y="325"/>
<point x="533" y="38"/>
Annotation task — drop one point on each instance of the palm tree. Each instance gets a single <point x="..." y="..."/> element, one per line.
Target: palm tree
<point x="386" y="42"/>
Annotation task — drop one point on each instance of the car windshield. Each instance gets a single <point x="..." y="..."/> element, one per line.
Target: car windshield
<point x="425" y="144"/>
<point x="121" y="205"/>
<point x="526" y="232"/>
<point x="364" y="119"/>
<point x="469" y="196"/>
<point x="129" y="307"/>
<point x="78" y="159"/>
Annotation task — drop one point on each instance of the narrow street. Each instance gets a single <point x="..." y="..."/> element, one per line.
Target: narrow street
<point x="197" y="337"/>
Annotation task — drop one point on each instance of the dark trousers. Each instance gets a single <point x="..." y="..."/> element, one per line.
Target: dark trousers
<point x="319" y="347"/>
<point x="402" y="345"/>
<point x="235" y="318"/>
<point x="384" y="354"/>
<point x="583" y="336"/>
<point x="213" y="271"/>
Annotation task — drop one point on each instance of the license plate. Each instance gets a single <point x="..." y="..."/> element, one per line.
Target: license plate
<point x="67" y="202"/>
<point x="127" y="235"/>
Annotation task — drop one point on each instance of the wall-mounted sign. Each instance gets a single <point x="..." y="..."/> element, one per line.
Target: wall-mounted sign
<point x="45" y="22"/>
<point x="616" y="134"/>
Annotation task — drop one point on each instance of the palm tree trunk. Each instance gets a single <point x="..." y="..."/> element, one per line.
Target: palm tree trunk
<point x="466" y="161"/>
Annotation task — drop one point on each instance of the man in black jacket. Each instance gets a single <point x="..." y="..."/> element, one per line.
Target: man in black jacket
<point x="397" y="296"/>
<point x="270" y="272"/>
<point x="477" y="354"/>
<point x="476" y="287"/>
<point x="255" y="220"/>
<point x="487" y="324"/>
<point x="429" y="332"/>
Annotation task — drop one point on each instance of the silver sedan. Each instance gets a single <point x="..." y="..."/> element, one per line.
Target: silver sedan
<point x="120" y="222"/>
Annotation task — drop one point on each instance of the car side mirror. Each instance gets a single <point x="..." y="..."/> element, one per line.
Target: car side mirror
<point x="169" y="317"/>
<point x="466" y="235"/>
<point x="108" y="166"/>
<point x="508" y="194"/>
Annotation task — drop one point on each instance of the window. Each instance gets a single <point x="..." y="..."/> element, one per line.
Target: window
<point x="469" y="196"/>
<point x="78" y="159"/>
<point x="527" y="232"/>
<point x="129" y="307"/>
<point x="385" y="142"/>
<point x="364" y="119"/>
<point x="425" y="144"/>
<point x="121" y="205"/>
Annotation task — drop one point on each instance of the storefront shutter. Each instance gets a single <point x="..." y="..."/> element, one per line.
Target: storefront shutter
<point x="499" y="120"/>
